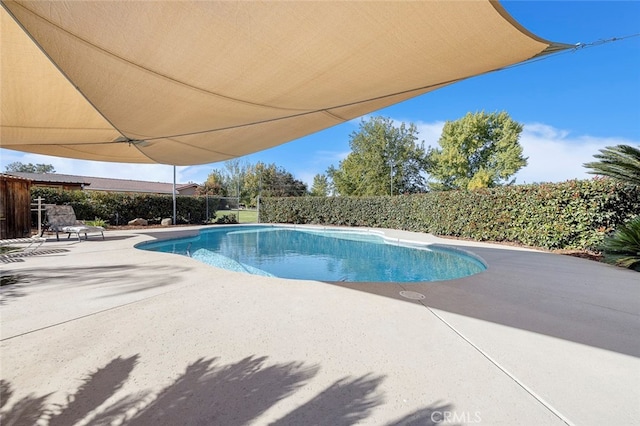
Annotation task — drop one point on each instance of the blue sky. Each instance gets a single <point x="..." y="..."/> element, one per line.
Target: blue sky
<point x="571" y="105"/>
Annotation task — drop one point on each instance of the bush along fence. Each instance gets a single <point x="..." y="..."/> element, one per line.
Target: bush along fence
<point x="575" y="214"/>
<point x="119" y="208"/>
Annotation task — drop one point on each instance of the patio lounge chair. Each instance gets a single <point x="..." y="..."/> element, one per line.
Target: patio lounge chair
<point x="63" y="219"/>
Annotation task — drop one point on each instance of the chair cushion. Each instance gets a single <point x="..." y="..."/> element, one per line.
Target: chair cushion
<point x="81" y="228"/>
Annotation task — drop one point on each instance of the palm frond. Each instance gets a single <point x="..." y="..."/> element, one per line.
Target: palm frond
<point x="622" y="248"/>
<point x="621" y="162"/>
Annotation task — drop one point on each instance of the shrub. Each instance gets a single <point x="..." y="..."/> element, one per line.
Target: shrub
<point x="622" y="247"/>
<point x="118" y="208"/>
<point x="574" y="214"/>
<point x="226" y="219"/>
<point x="96" y="222"/>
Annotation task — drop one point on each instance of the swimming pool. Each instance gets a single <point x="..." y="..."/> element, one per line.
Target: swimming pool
<point x="320" y="254"/>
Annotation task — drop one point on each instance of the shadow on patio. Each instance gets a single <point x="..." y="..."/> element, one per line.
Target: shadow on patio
<point x="119" y="279"/>
<point x="565" y="297"/>
<point x="214" y="394"/>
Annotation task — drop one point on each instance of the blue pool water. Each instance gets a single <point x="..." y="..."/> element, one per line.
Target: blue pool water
<point x="323" y="255"/>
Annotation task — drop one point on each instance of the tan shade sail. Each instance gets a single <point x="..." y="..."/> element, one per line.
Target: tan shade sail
<point x="198" y="82"/>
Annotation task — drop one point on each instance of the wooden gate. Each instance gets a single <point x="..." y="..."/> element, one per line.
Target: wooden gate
<point x="15" y="207"/>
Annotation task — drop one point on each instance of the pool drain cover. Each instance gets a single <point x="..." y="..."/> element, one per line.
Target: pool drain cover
<point x="412" y="295"/>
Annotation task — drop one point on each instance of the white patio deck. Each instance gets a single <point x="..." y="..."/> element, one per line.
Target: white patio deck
<point x="124" y="336"/>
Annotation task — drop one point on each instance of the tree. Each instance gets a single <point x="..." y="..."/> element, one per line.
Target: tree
<point x="621" y="162"/>
<point x="236" y="172"/>
<point x="214" y="185"/>
<point x="320" y="187"/>
<point x="227" y="182"/>
<point x="384" y="159"/>
<point x="477" y="151"/>
<point x="281" y="183"/>
<point x="269" y="180"/>
<point x="30" y="168"/>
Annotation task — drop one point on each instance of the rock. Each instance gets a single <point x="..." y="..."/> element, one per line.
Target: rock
<point x="139" y="222"/>
<point x="166" y="221"/>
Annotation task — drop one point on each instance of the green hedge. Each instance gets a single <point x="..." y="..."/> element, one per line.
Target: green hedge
<point x="574" y="214"/>
<point x="119" y="208"/>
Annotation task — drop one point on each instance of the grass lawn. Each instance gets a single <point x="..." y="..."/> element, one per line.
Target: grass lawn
<point x="246" y="216"/>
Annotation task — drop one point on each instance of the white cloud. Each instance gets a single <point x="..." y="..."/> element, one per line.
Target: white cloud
<point x="329" y="156"/>
<point x="306" y="177"/>
<point x="430" y="132"/>
<point x="146" y="172"/>
<point x="545" y="131"/>
<point x="555" y="155"/>
<point x="197" y="174"/>
<point x="427" y="132"/>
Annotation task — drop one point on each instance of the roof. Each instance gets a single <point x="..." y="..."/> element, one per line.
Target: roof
<point x="51" y="177"/>
<point x="126" y="185"/>
<point x="105" y="184"/>
<point x="231" y="77"/>
<point x="12" y="177"/>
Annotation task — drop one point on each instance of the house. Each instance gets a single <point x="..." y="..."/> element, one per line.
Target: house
<point x="88" y="183"/>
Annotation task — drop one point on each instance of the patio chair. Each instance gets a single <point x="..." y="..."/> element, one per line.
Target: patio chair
<point x="63" y="219"/>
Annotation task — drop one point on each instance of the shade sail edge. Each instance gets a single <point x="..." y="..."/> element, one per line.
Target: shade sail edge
<point x="194" y="120"/>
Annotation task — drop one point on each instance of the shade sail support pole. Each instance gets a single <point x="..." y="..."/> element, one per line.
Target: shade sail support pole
<point x="173" y="192"/>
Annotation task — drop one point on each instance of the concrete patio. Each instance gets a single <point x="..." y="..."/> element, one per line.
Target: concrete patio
<point x="98" y="332"/>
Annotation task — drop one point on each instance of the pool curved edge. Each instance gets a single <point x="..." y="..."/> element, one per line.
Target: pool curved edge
<point x="420" y="240"/>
